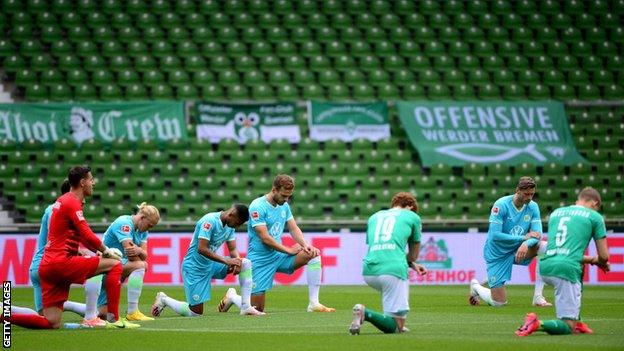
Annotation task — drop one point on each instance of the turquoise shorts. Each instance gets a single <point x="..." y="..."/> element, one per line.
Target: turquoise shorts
<point x="197" y="283"/>
<point x="499" y="271"/>
<point x="265" y="267"/>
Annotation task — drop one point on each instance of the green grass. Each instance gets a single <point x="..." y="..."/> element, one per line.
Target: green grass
<point x="440" y="319"/>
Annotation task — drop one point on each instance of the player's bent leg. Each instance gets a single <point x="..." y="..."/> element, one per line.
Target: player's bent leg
<point x="499" y="296"/>
<point x="313" y="275"/>
<point x="135" y="286"/>
<point x="257" y="300"/>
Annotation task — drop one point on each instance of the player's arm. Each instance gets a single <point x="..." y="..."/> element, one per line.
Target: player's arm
<point x="412" y="257"/>
<point x="263" y="234"/>
<point x="601" y="260"/>
<point x="133" y="251"/>
<point x="203" y="247"/>
<point x="536" y="228"/>
<point x="231" y="245"/>
<point x="86" y="237"/>
<point x="297" y="235"/>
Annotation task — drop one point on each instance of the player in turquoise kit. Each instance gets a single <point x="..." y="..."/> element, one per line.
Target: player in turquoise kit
<point x="128" y="234"/>
<point x="385" y="269"/>
<point x="202" y="264"/>
<point x="513" y="238"/>
<point x="268" y="215"/>
<point x="569" y="231"/>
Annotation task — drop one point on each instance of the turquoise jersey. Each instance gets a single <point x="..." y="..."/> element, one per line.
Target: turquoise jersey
<point x="120" y="230"/>
<point x="508" y="226"/>
<point x="261" y="212"/>
<point x="211" y="228"/>
<point x="42" y="239"/>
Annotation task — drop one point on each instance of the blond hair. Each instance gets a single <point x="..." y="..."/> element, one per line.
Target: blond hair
<point x="149" y="211"/>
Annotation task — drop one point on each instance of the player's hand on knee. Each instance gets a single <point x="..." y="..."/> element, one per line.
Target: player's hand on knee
<point x="234" y="265"/>
<point x="295" y="249"/>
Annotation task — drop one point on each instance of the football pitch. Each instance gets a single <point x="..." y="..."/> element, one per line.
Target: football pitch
<point x="440" y="319"/>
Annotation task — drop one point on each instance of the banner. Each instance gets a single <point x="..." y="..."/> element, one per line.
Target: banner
<point x="216" y="121"/>
<point x="458" y="133"/>
<point x="348" y="121"/>
<point x="106" y="122"/>
<point x="451" y="258"/>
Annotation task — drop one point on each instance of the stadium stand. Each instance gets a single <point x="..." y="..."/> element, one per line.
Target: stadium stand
<point x="295" y="50"/>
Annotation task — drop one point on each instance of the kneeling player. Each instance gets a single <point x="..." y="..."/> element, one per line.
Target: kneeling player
<point x="569" y="231"/>
<point x="386" y="265"/>
<point x="202" y="264"/>
<point x="269" y="213"/>
<point x="129" y="235"/>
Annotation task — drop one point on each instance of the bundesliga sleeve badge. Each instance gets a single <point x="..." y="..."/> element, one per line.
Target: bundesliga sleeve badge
<point x="255" y="215"/>
<point x="125" y="228"/>
<point x="495" y="210"/>
<point x="206" y="226"/>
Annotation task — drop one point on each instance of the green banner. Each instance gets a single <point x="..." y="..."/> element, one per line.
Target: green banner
<point x="105" y="122"/>
<point x="458" y="133"/>
<point x="246" y="122"/>
<point x="348" y="121"/>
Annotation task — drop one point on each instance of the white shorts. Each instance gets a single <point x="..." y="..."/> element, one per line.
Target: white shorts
<point x="567" y="297"/>
<point x="394" y="293"/>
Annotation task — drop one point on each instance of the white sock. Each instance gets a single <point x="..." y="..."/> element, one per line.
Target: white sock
<point x="539" y="283"/>
<point x="181" y="308"/>
<point x="246" y="281"/>
<point x="92" y="292"/>
<point x="76" y="307"/>
<point x="135" y="285"/>
<point x="22" y="310"/>
<point x="486" y="295"/>
<point x="237" y="299"/>
<point x="313" y="274"/>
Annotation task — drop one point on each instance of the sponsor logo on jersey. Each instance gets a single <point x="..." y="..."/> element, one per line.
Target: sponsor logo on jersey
<point x="206" y="226"/>
<point x="255" y="215"/>
<point x="80" y="215"/>
<point x="495" y="210"/>
<point x="125" y="228"/>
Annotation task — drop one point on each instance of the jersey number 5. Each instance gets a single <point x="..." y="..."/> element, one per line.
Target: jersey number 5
<point x="562" y="231"/>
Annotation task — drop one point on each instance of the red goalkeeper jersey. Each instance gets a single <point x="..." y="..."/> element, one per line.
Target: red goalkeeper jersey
<point x="67" y="229"/>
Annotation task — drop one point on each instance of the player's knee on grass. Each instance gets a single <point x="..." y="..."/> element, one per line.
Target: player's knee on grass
<point x="197" y="309"/>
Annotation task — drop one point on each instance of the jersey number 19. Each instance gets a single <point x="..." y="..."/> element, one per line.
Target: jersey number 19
<point x="384" y="228"/>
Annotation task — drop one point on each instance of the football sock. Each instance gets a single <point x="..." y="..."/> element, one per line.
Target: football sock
<point x="555" y="327"/>
<point x="113" y="289"/>
<point x="382" y="322"/>
<point x="313" y="274"/>
<point x="76" y="307"/>
<point x="181" y="308"/>
<point x="238" y="299"/>
<point x="22" y="310"/>
<point x="135" y="285"/>
<point x="93" y="286"/>
<point x="32" y="321"/>
<point x="539" y="283"/>
<point x="246" y="281"/>
<point x="486" y="295"/>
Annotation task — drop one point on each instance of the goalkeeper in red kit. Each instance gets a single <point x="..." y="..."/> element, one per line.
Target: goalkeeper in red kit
<point x="62" y="265"/>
